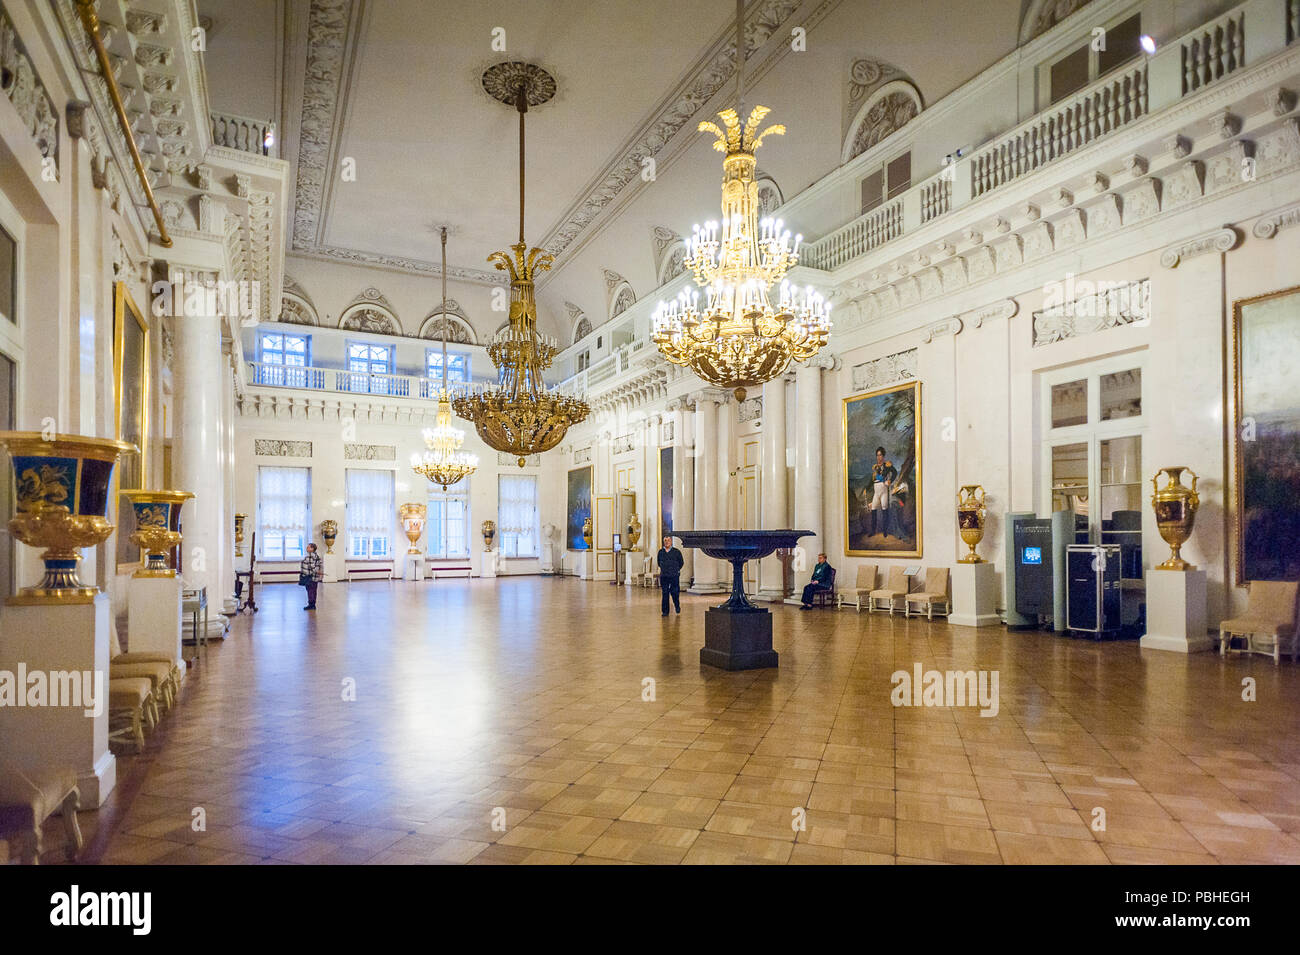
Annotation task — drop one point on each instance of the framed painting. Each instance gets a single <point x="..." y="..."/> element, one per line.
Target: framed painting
<point x="131" y="397"/>
<point x="1266" y="435"/>
<point x="666" y="489"/>
<point x="882" y="472"/>
<point x="579" y="507"/>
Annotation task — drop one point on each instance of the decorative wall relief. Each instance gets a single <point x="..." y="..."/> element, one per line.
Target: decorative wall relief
<point x="270" y="448"/>
<point x="24" y="89"/>
<point x="888" y="370"/>
<point x="1101" y="305"/>
<point x="582" y="455"/>
<point x="512" y="460"/>
<point x="751" y="409"/>
<point x="369" y="452"/>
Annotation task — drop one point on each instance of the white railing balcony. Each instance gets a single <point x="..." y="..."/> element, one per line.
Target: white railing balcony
<point x="256" y="136"/>
<point x="348" y="382"/>
<point x="1205" y="56"/>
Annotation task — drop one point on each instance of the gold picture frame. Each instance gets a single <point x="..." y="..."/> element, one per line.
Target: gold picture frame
<point x="573" y="514"/>
<point x="895" y="411"/>
<point x="131" y="394"/>
<point x="1270" y="440"/>
<point x="665" y="516"/>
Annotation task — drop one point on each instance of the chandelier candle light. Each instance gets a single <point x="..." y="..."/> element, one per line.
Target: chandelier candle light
<point x="444" y="462"/>
<point x="737" y="338"/>
<point x="520" y="415"/>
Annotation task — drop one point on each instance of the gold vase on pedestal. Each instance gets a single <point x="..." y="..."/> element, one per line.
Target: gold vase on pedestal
<point x="586" y="532"/>
<point x="329" y="530"/>
<point x="239" y="535"/>
<point x="633" y="532"/>
<point x="1175" y="505"/>
<point x="970" y="520"/>
<point x="157" y="521"/>
<point x="61" y="491"/>
<point x="413" y="518"/>
<point x="489" y="533"/>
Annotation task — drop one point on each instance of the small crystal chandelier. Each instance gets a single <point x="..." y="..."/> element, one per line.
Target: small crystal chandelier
<point x="444" y="462"/>
<point x="520" y="415"/>
<point x="739" y="338"/>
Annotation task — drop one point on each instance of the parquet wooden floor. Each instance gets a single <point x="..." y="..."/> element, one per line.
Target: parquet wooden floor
<point x="504" y="722"/>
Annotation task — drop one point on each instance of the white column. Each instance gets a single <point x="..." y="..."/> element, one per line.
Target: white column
<point x="228" y="603"/>
<point x="684" y="478"/>
<point x="726" y="433"/>
<point x="706" y="487"/>
<point x="196" y="463"/>
<point x="808" y="459"/>
<point x="648" y="506"/>
<point x="775" y="508"/>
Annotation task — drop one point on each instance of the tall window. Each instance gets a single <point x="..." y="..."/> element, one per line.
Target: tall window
<point x="8" y="276"/>
<point x="448" y="527"/>
<point x="284" y="359"/>
<point x="368" y="363"/>
<point x="283" y="512"/>
<point x="457" y="367"/>
<point x="517" y="526"/>
<point x="370" y="514"/>
<point x="1102" y="53"/>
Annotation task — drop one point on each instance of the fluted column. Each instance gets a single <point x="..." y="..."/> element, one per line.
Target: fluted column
<point x="684" y="477"/>
<point x="706" y="486"/>
<point x="197" y="445"/>
<point x="649" y="503"/>
<point x="776" y="506"/>
<point x="808" y="483"/>
<point x="228" y="568"/>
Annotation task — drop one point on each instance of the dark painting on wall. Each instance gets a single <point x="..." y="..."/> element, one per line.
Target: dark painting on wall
<point x="882" y="472"/>
<point x="666" y="489"/>
<point x="131" y="392"/>
<point x="1266" y="505"/>
<point x="579" y="507"/>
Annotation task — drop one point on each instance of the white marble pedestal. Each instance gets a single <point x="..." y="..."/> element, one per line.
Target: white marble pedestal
<point x="72" y="638"/>
<point x="154" y="617"/>
<point x="974" y="596"/>
<point x="1176" y="617"/>
<point x="583" y="563"/>
<point x="333" y="566"/>
<point x="413" y="567"/>
<point x="487" y="563"/>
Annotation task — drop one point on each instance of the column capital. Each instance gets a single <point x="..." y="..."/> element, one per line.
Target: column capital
<point x="822" y="362"/>
<point x="710" y="395"/>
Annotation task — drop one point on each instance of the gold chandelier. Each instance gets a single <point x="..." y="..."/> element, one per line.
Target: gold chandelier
<point x="739" y="338"/>
<point x="444" y="462"/>
<point x="520" y="415"/>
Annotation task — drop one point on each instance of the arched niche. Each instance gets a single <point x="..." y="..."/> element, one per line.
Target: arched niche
<point x="886" y="109"/>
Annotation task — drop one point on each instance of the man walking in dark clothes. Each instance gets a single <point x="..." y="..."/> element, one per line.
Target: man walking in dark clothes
<point x="670" y="561"/>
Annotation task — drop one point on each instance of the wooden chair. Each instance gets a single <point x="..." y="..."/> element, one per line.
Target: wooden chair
<point x="1268" y="622"/>
<point x="26" y="801"/>
<point x="823" y="597"/>
<point x="146" y="663"/>
<point x="862" y="591"/>
<point x="895" y="589"/>
<point x="649" y="576"/>
<point x="934" y="596"/>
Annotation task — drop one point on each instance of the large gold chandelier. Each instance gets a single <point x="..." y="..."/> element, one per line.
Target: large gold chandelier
<point x="739" y="338"/>
<point x="520" y="415"/>
<point x="443" y="461"/>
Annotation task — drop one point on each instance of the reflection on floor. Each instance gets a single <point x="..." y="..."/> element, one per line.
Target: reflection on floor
<point x="507" y="721"/>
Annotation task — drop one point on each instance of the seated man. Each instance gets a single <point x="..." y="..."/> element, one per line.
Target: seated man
<point x="821" y="580"/>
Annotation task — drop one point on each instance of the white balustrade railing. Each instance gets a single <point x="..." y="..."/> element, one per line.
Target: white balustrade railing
<point x="1292" y="20"/>
<point x="1097" y="111"/>
<point x="247" y="135"/>
<point x="1213" y="51"/>
<point x="860" y="236"/>
<point x="349" y="382"/>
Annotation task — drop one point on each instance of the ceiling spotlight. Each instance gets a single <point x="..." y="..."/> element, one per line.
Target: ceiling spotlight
<point x="1148" y="43"/>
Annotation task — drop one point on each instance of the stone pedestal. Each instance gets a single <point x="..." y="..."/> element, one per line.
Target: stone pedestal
<point x="413" y="567"/>
<point x="67" y="731"/>
<point x="738" y="640"/>
<point x="974" y="596"/>
<point x="1176" y="617"/>
<point x="154" y="617"/>
<point x="488" y="563"/>
<point x="333" y="567"/>
<point x="583" y="563"/>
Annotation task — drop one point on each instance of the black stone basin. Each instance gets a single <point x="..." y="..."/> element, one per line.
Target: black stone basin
<point x="738" y="547"/>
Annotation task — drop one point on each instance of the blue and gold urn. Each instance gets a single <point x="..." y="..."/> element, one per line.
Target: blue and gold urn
<point x="61" y="491"/>
<point x="157" y="527"/>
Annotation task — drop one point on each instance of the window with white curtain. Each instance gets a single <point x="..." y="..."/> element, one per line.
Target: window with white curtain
<point x="283" y="512"/>
<point x="448" y="527"/>
<point x="517" y="526"/>
<point x="370" y="514"/>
